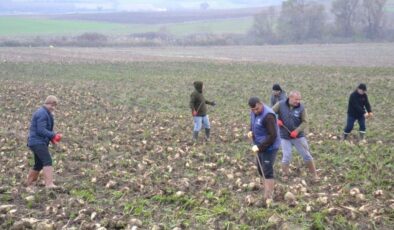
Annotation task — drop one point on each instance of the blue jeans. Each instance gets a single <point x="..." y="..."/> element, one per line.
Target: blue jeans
<point x="199" y="121"/>
<point x="350" y="123"/>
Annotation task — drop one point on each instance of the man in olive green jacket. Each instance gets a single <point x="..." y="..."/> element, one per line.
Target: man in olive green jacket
<point x="198" y="104"/>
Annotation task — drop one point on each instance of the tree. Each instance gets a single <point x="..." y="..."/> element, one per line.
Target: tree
<point x="373" y="17"/>
<point x="300" y="21"/>
<point x="263" y="28"/>
<point x="345" y="15"/>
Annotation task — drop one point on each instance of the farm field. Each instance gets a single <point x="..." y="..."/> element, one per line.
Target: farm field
<point x="24" y="26"/>
<point x="126" y="158"/>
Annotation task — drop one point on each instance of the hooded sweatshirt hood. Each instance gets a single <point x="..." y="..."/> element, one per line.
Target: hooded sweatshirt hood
<point x="198" y="86"/>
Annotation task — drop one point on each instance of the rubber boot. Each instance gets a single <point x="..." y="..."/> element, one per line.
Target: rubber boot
<point x="195" y="136"/>
<point x="345" y="135"/>
<point x="32" y="177"/>
<point x="269" y="185"/>
<point x="312" y="170"/>
<point x="48" y="177"/>
<point x="207" y="134"/>
<point x="362" y="136"/>
<point x="285" y="171"/>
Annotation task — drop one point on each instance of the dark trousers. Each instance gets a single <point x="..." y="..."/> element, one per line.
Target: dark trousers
<point x="350" y="123"/>
<point x="42" y="157"/>
<point x="267" y="160"/>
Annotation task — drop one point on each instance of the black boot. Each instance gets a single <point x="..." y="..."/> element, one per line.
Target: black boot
<point x="345" y="135"/>
<point x="207" y="134"/>
<point x="362" y="136"/>
<point x="195" y="136"/>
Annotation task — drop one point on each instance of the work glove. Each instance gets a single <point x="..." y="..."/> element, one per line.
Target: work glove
<point x="194" y="113"/>
<point x="57" y="138"/>
<point x="294" y="134"/>
<point x="279" y="122"/>
<point x="250" y="134"/>
<point x="255" y="149"/>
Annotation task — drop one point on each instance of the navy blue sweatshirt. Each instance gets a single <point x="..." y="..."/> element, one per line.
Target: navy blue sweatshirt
<point x="357" y="105"/>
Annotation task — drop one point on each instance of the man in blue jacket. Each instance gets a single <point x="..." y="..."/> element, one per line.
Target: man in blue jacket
<point x="265" y="135"/>
<point x="40" y="134"/>
<point x="358" y="109"/>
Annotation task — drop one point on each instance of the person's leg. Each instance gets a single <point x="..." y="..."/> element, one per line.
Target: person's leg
<point x="301" y="144"/>
<point x="35" y="171"/>
<point x="267" y="161"/>
<point x="207" y="127"/>
<point x="46" y="160"/>
<point x="349" y="126"/>
<point x="362" y="129"/>
<point x="286" y="158"/>
<point x="197" y="127"/>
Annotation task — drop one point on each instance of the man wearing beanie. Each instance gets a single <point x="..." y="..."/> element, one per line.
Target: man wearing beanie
<point x="264" y="132"/>
<point x="277" y="94"/>
<point x="40" y="134"/>
<point x="358" y="109"/>
<point x="199" y="111"/>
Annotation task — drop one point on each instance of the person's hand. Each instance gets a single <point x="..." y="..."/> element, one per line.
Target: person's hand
<point x="366" y="115"/>
<point x="279" y="122"/>
<point x="255" y="148"/>
<point x="194" y="113"/>
<point x="57" y="138"/>
<point x="294" y="134"/>
<point x="370" y="115"/>
<point x="250" y="134"/>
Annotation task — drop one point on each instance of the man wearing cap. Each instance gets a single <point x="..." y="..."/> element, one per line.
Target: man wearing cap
<point x="292" y="120"/>
<point x="198" y="105"/>
<point x="358" y="109"/>
<point x="40" y="134"/>
<point x="264" y="133"/>
<point x="277" y="94"/>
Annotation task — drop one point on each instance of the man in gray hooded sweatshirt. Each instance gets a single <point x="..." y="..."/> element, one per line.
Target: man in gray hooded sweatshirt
<point x="199" y="110"/>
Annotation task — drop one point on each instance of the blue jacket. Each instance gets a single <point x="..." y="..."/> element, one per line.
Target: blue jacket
<point x="41" y="128"/>
<point x="260" y="132"/>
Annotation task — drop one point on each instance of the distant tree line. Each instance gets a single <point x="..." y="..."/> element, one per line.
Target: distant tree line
<point x="300" y="21"/>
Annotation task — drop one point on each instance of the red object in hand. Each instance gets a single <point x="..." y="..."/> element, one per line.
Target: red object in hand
<point x="280" y="123"/>
<point x="294" y="134"/>
<point x="57" y="138"/>
<point x="194" y="113"/>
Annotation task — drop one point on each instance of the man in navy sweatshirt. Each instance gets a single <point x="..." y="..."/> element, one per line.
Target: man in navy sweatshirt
<point x="358" y="109"/>
<point x="40" y="134"/>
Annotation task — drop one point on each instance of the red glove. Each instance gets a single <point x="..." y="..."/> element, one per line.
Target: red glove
<point x="194" y="113"/>
<point x="294" y="134"/>
<point x="279" y="122"/>
<point x="57" y="138"/>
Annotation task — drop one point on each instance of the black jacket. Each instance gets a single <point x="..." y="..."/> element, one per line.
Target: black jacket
<point x="357" y="105"/>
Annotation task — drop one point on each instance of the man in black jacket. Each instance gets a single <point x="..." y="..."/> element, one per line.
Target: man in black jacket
<point x="358" y="109"/>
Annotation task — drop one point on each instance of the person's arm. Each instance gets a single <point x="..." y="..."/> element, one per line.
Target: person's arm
<point x="269" y="123"/>
<point x="367" y="105"/>
<point x="41" y="127"/>
<point x="304" y="122"/>
<point x="276" y="108"/>
<point x="192" y="102"/>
